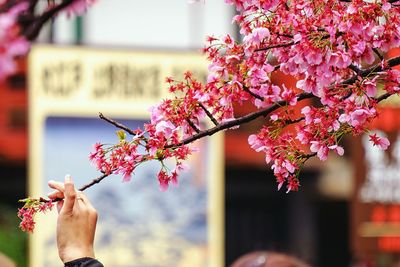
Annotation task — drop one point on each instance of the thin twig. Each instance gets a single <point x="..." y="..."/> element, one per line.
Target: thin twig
<point x="378" y="54"/>
<point x="33" y="31"/>
<point x="194" y="127"/>
<point x="253" y="94"/>
<point x="83" y="188"/>
<point x="93" y="182"/>
<point x="209" y="115"/>
<point x="242" y="120"/>
<point x="287" y="122"/>
<point x="116" y="124"/>
<point x="307" y="156"/>
<point x="274" y="46"/>
<point x="374" y="69"/>
<point x="383" y="97"/>
<point x="252" y="116"/>
<point x="355" y="69"/>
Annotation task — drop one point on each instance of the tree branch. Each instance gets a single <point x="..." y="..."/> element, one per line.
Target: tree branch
<point x="83" y="188"/>
<point x="274" y="46"/>
<point x="194" y="127"/>
<point x="252" y="116"/>
<point x="93" y="182"/>
<point x="355" y="69"/>
<point x="376" y="68"/>
<point x="235" y="122"/>
<point x="209" y="115"/>
<point x="383" y="97"/>
<point x="378" y="54"/>
<point x="32" y="30"/>
<point x="253" y="94"/>
<point x="247" y="118"/>
<point x="116" y="124"/>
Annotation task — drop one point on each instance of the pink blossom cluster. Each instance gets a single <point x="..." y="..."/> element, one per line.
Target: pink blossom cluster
<point x="334" y="48"/>
<point x="159" y="141"/>
<point x="327" y="46"/>
<point x="12" y="43"/>
<point x="20" y="23"/>
<point x="29" y="210"/>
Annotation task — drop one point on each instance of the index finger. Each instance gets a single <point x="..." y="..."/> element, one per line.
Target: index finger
<point x="70" y="195"/>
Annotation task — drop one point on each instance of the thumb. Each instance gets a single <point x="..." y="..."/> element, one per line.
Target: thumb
<point x="69" y="195"/>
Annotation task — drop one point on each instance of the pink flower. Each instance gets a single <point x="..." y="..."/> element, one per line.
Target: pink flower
<point x="163" y="180"/>
<point x="255" y="143"/>
<point x="29" y="210"/>
<point x="370" y="87"/>
<point x="339" y="150"/>
<point x="321" y="149"/>
<point x="381" y="142"/>
<point x="165" y="128"/>
<point x="257" y="36"/>
<point x="289" y="96"/>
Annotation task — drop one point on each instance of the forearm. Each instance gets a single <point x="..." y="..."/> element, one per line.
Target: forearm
<point x="84" y="262"/>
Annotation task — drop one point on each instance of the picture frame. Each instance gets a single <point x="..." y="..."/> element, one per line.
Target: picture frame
<point x="138" y="225"/>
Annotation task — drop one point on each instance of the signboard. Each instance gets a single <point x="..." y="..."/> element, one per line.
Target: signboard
<point x="138" y="225"/>
<point x="376" y="201"/>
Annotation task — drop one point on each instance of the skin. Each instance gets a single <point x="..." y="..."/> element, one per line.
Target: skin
<point x="268" y="259"/>
<point x="76" y="223"/>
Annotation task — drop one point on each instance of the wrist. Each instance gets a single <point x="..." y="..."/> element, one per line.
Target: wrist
<point x="71" y="254"/>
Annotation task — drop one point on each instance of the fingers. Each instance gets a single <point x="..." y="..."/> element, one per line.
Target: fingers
<point x="59" y="205"/>
<point x="56" y="194"/>
<point x="59" y="190"/>
<point x="83" y="201"/>
<point x="56" y="185"/>
<point x="70" y="195"/>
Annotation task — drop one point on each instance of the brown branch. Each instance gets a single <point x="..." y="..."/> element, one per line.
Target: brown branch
<point x="252" y="116"/>
<point x="307" y="156"/>
<point x="32" y="6"/>
<point x="116" y="124"/>
<point x="287" y="122"/>
<point x="252" y="94"/>
<point x="83" y="188"/>
<point x="355" y="69"/>
<point x="236" y="122"/>
<point x="194" y="127"/>
<point x="274" y="46"/>
<point x="374" y="69"/>
<point x="93" y="182"/>
<point x="383" y="97"/>
<point x="209" y="115"/>
<point x="32" y="31"/>
<point x="378" y="54"/>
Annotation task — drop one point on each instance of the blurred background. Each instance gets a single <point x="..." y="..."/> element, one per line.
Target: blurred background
<point x="328" y="223"/>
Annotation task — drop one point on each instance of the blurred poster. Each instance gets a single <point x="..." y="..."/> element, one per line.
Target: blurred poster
<point x="376" y="201"/>
<point x="138" y="224"/>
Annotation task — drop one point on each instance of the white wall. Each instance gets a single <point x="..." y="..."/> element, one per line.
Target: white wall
<point x="150" y="24"/>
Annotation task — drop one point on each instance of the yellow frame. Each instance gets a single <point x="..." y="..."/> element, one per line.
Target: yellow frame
<point x="81" y="103"/>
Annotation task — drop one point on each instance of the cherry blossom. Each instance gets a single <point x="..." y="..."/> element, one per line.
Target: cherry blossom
<point x="29" y="210"/>
<point x="335" y="49"/>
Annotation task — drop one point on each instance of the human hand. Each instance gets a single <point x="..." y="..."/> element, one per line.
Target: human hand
<point x="76" y="223"/>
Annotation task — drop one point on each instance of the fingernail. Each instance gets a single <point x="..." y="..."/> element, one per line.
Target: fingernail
<point x="68" y="178"/>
